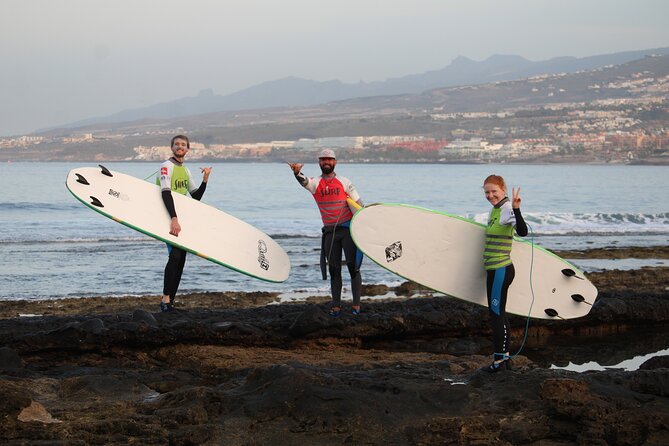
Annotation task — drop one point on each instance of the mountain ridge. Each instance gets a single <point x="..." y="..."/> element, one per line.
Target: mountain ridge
<point x="292" y="91"/>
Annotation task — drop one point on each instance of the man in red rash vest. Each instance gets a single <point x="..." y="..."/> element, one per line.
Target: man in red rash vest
<point x="330" y="192"/>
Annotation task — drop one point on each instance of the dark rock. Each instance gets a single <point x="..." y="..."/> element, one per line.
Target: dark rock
<point x="375" y="290"/>
<point x="94" y="326"/>
<point x="9" y="359"/>
<point x="651" y="382"/>
<point x="241" y="329"/>
<point x="408" y="288"/>
<point x="407" y="371"/>
<point x="656" y="362"/>
<point x="15" y="398"/>
<point x="130" y="327"/>
<point x="144" y="316"/>
<point x="466" y="346"/>
<point x="83" y="388"/>
<point x="309" y="321"/>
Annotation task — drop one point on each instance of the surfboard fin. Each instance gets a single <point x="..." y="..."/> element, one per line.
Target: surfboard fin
<point x="96" y="202"/>
<point x="570" y="273"/>
<point x="552" y="313"/>
<point x="82" y="180"/>
<point x="105" y="171"/>
<point x="580" y="299"/>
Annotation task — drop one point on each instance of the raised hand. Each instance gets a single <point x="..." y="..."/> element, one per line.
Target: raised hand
<point x="515" y="202"/>
<point x="205" y="173"/>
<point x="296" y="167"/>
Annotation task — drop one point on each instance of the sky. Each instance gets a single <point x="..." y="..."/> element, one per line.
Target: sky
<point x="68" y="60"/>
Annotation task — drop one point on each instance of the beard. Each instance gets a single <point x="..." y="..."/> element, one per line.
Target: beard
<point x="327" y="169"/>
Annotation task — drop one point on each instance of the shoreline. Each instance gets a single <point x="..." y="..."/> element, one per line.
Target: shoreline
<point x="647" y="279"/>
<point x="238" y="299"/>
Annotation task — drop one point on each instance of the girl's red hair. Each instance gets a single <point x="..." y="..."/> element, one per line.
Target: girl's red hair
<point x="496" y="180"/>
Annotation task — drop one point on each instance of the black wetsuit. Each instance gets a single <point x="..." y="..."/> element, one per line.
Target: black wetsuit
<point x="497" y="286"/>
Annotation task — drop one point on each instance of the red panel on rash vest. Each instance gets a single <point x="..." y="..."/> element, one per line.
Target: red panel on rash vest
<point x="330" y="197"/>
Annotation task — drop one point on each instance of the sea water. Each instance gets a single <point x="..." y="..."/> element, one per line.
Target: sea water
<point x="52" y="246"/>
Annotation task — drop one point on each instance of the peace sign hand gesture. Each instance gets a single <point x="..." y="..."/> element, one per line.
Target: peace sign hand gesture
<point x="515" y="202"/>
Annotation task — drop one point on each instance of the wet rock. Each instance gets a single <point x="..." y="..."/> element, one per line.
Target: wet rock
<point x="467" y="346"/>
<point x="651" y="382"/>
<point x="237" y="330"/>
<point x="144" y="316"/>
<point x="230" y="371"/>
<point x="375" y="290"/>
<point x="657" y="362"/>
<point x="15" y="397"/>
<point x="309" y="321"/>
<point x="408" y="288"/>
<point x="82" y="388"/>
<point x="9" y="359"/>
<point x="94" y="326"/>
<point x="36" y="413"/>
<point x="570" y="397"/>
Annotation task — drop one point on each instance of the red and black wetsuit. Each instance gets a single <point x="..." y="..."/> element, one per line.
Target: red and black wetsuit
<point x="330" y="194"/>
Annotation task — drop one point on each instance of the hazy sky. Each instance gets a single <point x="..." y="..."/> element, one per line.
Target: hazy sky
<point x="66" y="60"/>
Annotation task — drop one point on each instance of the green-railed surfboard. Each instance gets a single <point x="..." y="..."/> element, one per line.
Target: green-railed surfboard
<point x="206" y="231"/>
<point x="445" y="253"/>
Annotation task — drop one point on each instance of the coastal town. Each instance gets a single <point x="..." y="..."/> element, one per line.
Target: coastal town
<point x="621" y="121"/>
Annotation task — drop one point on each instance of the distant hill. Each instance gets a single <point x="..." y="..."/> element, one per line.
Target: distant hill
<point x="293" y="91"/>
<point x="635" y="91"/>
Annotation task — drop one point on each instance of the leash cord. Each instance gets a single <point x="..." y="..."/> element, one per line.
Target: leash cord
<point x="153" y="174"/>
<point x="527" y="322"/>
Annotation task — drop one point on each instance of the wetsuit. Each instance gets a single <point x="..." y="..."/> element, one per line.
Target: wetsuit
<point x="499" y="268"/>
<point x="175" y="177"/>
<point x="330" y="195"/>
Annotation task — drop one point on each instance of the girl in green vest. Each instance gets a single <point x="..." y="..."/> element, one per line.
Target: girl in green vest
<point x="504" y="216"/>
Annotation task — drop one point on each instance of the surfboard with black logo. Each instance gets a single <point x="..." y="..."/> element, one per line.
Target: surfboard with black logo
<point x="444" y="252"/>
<point x="205" y="231"/>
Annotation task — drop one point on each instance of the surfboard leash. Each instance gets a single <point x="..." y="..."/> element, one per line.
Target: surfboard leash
<point x="152" y="175"/>
<point x="343" y="211"/>
<point x="527" y="322"/>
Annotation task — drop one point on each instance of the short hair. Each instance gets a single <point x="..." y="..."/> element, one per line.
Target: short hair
<point x="495" y="179"/>
<point x="184" y="137"/>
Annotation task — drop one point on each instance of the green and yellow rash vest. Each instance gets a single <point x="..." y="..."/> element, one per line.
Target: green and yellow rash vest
<point x="499" y="236"/>
<point x="176" y="177"/>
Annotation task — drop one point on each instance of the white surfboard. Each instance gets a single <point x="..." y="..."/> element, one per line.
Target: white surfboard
<point x="445" y="253"/>
<point x="205" y="230"/>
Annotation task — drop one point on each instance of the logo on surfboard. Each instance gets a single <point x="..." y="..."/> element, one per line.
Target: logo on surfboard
<point x="262" y="259"/>
<point x="393" y="252"/>
<point x="120" y="195"/>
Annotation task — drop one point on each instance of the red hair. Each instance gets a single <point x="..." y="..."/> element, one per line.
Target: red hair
<point x="496" y="180"/>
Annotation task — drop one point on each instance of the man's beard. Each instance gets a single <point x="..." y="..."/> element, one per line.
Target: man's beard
<point x="327" y="169"/>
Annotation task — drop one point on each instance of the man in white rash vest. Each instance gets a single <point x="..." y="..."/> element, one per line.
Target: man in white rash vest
<point x="175" y="177"/>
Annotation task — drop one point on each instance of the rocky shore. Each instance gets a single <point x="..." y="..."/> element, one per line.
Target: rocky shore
<point x="239" y="369"/>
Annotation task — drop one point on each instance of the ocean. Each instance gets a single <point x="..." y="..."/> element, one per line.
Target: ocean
<point x="51" y="246"/>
